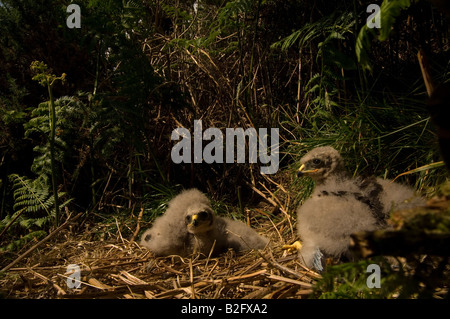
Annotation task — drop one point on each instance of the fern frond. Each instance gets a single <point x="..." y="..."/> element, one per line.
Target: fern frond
<point x="34" y="199"/>
<point x="29" y="193"/>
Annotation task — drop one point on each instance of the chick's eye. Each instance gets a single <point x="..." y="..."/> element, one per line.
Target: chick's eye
<point x="188" y="218"/>
<point x="316" y="161"/>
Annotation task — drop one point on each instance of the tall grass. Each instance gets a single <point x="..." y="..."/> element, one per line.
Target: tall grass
<point x="378" y="122"/>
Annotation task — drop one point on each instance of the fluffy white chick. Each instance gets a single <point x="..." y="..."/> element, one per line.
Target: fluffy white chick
<point x="169" y="234"/>
<point x="341" y="205"/>
<point x="190" y="226"/>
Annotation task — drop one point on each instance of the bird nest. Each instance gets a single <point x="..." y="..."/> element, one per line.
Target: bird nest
<point x="121" y="268"/>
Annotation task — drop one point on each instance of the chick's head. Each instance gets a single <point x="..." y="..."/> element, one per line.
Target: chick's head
<point x="321" y="163"/>
<point x="199" y="219"/>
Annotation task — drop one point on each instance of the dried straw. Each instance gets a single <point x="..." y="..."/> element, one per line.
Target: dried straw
<point x="120" y="268"/>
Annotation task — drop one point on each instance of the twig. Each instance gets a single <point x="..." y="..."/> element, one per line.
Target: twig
<point x="291" y="281"/>
<point x="82" y="282"/>
<point x="279" y="186"/>
<point x="120" y="290"/>
<point x="276" y="229"/>
<point x="426" y="72"/>
<point x="36" y="268"/>
<point x="58" y="288"/>
<point x="12" y="221"/>
<point x="246" y="277"/>
<point x="191" y="279"/>
<point x="138" y="226"/>
<point x="118" y="230"/>
<point x="271" y="201"/>
<point x="273" y="195"/>
<point x="49" y="236"/>
<point x="282" y="208"/>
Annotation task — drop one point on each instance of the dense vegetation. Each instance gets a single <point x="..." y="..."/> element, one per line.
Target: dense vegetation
<point x="136" y="70"/>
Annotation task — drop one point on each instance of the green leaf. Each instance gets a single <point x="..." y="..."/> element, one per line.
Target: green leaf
<point x="421" y="169"/>
<point x="389" y="11"/>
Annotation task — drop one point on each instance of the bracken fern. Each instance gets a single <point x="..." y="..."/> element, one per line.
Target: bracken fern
<point x="34" y="197"/>
<point x="34" y="211"/>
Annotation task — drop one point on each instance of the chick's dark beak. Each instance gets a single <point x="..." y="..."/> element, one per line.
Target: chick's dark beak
<point x="300" y="170"/>
<point x="194" y="221"/>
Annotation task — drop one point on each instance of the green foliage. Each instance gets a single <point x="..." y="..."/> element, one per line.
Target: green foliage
<point x="230" y="13"/>
<point x="31" y="195"/>
<point x="34" y="211"/>
<point x="47" y="79"/>
<point x="44" y="75"/>
<point x="333" y="26"/>
<point x="389" y="11"/>
<point x="349" y="281"/>
<point x="414" y="277"/>
<point x="367" y="125"/>
<point x="156" y="201"/>
<point x="17" y="244"/>
<point x="327" y="32"/>
<point x="69" y="123"/>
